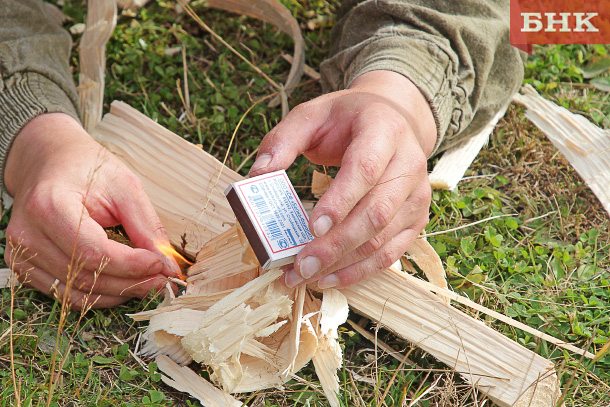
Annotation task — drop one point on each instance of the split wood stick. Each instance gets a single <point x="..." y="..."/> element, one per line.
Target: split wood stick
<point x="101" y="20"/>
<point x="501" y="317"/>
<point x="454" y="163"/>
<point x="584" y="145"/>
<point x="496" y="365"/>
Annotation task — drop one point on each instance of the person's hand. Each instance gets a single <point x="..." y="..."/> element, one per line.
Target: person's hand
<point x="67" y="189"/>
<point x="380" y="132"/>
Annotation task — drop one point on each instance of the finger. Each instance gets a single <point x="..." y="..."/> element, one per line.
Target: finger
<point x="363" y="164"/>
<point x="84" y="238"/>
<point x="38" y="251"/>
<point x="139" y="218"/>
<point x="370" y="217"/>
<point x="379" y="261"/>
<point x="294" y="135"/>
<point x="47" y="284"/>
<point x="412" y="214"/>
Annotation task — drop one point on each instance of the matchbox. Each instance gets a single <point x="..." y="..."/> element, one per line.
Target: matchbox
<point x="272" y="217"/>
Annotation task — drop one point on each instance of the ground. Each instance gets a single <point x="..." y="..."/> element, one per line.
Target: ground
<point x="546" y="265"/>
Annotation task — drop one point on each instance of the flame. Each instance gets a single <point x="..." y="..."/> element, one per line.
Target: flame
<point x="168" y="251"/>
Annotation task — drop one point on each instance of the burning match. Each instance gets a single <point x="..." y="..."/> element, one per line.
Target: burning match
<point x="176" y="260"/>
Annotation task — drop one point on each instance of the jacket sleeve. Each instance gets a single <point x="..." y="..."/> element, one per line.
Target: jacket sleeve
<point x="35" y="76"/>
<point x="456" y="52"/>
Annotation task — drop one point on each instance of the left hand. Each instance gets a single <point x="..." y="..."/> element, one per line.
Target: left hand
<point x="380" y="132"/>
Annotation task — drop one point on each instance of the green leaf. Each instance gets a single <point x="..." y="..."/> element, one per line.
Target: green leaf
<point x="596" y="67"/>
<point x="126" y="374"/>
<point x="601" y="84"/>
<point x="100" y="360"/>
<point x="156" y="396"/>
<point x="19" y="314"/>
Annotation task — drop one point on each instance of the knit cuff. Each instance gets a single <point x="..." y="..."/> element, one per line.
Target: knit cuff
<point x="24" y="96"/>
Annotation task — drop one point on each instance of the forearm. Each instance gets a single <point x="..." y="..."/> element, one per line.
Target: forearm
<point x="34" y="72"/>
<point x="456" y="53"/>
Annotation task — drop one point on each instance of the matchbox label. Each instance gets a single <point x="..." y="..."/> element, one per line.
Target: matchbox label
<point x="558" y="22"/>
<point x="277" y="211"/>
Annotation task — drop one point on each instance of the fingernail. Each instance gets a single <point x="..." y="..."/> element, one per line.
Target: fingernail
<point x="322" y="225"/>
<point x="261" y="162"/>
<point x="292" y="279"/>
<point x="309" y="266"/>
<point x="329" y="281"/>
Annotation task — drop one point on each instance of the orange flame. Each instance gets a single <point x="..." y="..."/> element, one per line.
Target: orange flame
<point x="168" y="251"/>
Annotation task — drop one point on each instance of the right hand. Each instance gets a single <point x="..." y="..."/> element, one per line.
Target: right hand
<point x="67" y="189"/>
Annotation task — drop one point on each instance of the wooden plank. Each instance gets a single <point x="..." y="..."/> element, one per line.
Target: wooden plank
<point x="583" y="144"/>
<point x="496" y="365"/>
<point x="451" y="167"/>
<point x="101" y="20"/>
<point x="185" y="178"/>
<point x="186" y="184"/>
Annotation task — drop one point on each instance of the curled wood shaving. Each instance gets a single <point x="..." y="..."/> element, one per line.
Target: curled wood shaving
<point x="101" y="20"/>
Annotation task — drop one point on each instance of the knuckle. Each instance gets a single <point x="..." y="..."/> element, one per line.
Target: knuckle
<point x="419" y="164"/>
<point x="90" y="255"/>
<point x="301" y="108"/>
<point x="385" y="258"/>
<point x="82" y="281"/>
<point x="37" y="203"/>
<point x="132" y="181"/>
<point x="379" y="215"/>
<point x="334" y="249"/>
<point x="368" y="169"/>
<point x="396" y="122"/>
<point x="371" y="246"/>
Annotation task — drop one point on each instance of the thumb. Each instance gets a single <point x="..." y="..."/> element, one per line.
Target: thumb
<point x="293" y="136"/>
<point x="139" y="218"/>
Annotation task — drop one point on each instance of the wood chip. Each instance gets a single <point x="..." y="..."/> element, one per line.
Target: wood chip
<point x="185" y="380"/>
<point x="320" y="183"/>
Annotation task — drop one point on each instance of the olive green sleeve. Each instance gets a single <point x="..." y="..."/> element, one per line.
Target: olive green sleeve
<point x="34" y="69"/>
<point x="456" y="52"/>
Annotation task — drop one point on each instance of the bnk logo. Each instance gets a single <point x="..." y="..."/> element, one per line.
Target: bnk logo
<point x="559" y="22"/>
<point x="567" y="22"/>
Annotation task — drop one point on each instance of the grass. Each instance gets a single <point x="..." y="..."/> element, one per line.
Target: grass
<point x="547" y="266"/>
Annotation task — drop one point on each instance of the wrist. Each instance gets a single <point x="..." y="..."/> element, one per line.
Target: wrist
<point x="44" y="142"/>
<point x="406" y="98"/>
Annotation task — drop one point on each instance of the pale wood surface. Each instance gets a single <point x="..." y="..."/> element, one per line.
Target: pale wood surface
<point x="179" y="178"/>
<point x="583" y="144"/>
<point x="495" y="364"/>
<point x="186" y="184"/>
<point x="451" y="167"/>
<point x="101" y="20"/>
